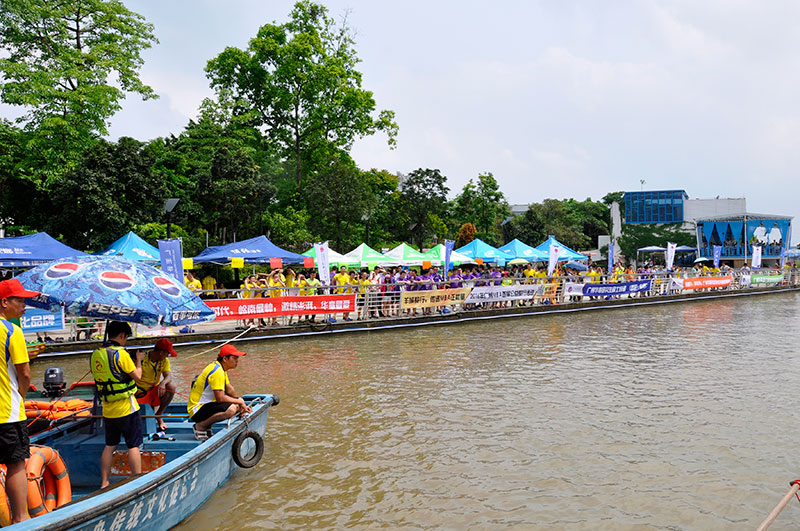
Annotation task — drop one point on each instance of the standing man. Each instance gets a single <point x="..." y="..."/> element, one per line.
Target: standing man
<point x="213" y="398"/>
<point x="15" y="377"/>
<point x="115" y="375"/>
<point x="155" y="365"/>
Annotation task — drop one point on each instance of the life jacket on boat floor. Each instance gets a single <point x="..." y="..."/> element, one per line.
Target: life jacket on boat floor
<point x="55" y="410"/>
<point x="48" y="481"/>
<point x="5" y="508"/>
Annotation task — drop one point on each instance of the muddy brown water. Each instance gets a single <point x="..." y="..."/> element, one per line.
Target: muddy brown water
<point x="680" y="416"/>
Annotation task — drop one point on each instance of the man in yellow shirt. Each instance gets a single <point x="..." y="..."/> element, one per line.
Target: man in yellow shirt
<point x="151" y="389"/>
<point x="342" y="279"/>
<point x="15" y="377"/>
<point x="192" y="283"/>
<point x="209" y="285"/>
<point x="213" y="398"/>
<point x="115" y="375"/>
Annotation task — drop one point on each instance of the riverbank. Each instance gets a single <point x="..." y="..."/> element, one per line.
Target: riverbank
<point x="217" y="331"/>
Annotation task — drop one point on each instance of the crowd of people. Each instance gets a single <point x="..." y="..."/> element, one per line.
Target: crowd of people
<point x="378" y="290"/>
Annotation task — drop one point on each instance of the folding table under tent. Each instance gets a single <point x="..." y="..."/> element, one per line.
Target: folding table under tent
<point x="134" y="247"/>
<point x="33" y="249"/>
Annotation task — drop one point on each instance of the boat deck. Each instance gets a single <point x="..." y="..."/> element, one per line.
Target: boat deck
<point x="80" y="447"/>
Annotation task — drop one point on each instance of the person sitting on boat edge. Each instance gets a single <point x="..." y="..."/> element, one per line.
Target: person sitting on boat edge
<point x="152" y="389"/>
<point x="115" y="375"/>
<point x="213" y="398"/>
<point x="15" y="377"/>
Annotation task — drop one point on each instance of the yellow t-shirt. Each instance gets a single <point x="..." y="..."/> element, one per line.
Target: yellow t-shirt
<point x="213" y="378"/>
<point x="12" y="407"/>
<point x="126" y="406"/>
<point x="341" y="279"/>
<point x="275" y="292"/>
<point x="152" y="371"/>
<point x="302" y="284"/>
<point x="194" y="285"/>
<point x="364" y="282"/>
<point x="209" y="283"/>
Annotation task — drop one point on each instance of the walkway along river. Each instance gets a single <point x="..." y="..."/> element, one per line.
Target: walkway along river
<point x="678" y="416"/>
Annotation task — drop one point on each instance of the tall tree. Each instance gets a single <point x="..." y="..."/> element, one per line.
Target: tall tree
<point x="484" y="205"/>
<point x="71" y="62"/>
<point x="423" y="194"/>
<point x="69" y="65"/>
<point x="298" y="81"/>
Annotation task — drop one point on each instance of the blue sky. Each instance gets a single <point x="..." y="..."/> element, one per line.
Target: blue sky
<point x="557" y="99"/>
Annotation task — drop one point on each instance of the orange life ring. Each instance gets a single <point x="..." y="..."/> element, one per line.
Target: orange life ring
<point x="44" y="459"/>
<point x="5" y="508"/>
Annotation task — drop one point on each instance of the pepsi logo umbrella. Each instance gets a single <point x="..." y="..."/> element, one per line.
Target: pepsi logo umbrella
<point x="117" y="288"/>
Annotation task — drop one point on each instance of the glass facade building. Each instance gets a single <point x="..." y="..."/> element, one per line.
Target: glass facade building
<point x="654" y="206"/>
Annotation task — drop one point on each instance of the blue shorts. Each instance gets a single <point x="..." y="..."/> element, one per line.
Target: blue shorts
<point x="129" y="426"/>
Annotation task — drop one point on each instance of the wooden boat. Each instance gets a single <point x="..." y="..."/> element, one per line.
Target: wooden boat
<point x="178" y="475"/>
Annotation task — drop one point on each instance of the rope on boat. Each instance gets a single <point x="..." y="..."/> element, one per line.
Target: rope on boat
<point x="251" y="327"/>
<point x="795" y="486"/>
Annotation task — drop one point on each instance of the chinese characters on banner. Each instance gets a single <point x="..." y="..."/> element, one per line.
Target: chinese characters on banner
<point x="277" y="306"/>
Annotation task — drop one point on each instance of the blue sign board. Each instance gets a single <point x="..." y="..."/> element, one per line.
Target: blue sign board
<point x="171" y="258"/>
<point x="38" y="320"/>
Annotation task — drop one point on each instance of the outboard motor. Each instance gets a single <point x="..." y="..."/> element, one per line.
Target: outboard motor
<point x="54" y="383"/>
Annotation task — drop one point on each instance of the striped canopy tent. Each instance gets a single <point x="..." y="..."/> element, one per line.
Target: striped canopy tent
<point x="436" y="256"/>
<point x="478" y="249"/>
<point x="334" y="258"/>
<point x="407" y="255"/>
<point x="366" y="256"/>
<point x="520" y="250"/>
<point x="566" y="254"/>
<point x="134" y="247"/>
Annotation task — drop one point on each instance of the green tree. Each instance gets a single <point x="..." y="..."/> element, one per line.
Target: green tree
<point x="289" y="229"/>
<point x="113" y="191"/>
<point x="465" y="235"/>
<point x="484" y="205"/>
<point x="298" y="81"/>
<point x="637" y="235"/>
<point x="71" y="62"/>
<point x="337" y="197"/>
<point x="423" y="194"/>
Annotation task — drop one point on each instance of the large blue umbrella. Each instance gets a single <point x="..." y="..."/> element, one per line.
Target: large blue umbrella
<point x="114" y="288"/>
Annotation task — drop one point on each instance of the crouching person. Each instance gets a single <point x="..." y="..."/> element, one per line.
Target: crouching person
<point x="115" y="375"/>
<point x="213" y="398"/>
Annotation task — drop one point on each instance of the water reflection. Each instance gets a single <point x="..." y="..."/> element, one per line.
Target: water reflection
<point x="679" y="416"/>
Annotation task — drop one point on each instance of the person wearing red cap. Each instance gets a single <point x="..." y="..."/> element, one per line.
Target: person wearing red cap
<point x="213" y="398"/>
<point x="151" y="388"/>
<point x="15" y="377"/>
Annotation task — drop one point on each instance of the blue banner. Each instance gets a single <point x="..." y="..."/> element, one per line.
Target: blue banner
<point x="171" y="258"/>
<point x="717" y="254"/>
<point x="621" y="288"/>
<point x="448" y="248"/>
<point x="610" y="258"/>
<point x="783" y="256"/>
<point x="38" y="320"/>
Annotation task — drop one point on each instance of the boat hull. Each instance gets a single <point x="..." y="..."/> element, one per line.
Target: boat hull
<point x="162" y="498"/>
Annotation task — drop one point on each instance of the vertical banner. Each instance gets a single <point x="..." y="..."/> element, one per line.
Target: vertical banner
<point x="755" y="263"/>
<point x="171" y="258"/>
<point x="717" y="255"/>
<point x="448" y="248"/>
<point x="322" y="263"/>
<point x="783" y="257"/>
<point x="555" y="250"/>
<point x="669" y="257"/>
<point x="610" y="257"/>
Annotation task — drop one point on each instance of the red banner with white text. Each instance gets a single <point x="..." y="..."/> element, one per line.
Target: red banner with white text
<point x="228" y="309"/>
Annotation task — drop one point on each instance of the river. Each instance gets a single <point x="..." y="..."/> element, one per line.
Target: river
<point x="677" y="416"/>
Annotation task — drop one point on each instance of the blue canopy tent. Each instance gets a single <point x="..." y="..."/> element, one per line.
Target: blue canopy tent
<point x="133" y="247"/>
<point x="257" y="250"/>
<point x="479" y="249"/>
<point x="518" y="249"/>
<point x="33" y="249"/>
<point x="566" y="253"/>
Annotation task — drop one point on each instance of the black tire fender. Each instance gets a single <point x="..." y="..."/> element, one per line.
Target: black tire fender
<point x="247" y="461"/>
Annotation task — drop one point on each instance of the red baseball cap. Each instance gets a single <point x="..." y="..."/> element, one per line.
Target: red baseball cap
<point x="230" y="350"/>
<point x="166" y="345"/>
<point x="13" y="288"/>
